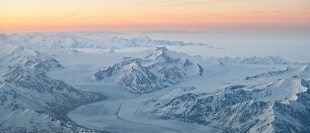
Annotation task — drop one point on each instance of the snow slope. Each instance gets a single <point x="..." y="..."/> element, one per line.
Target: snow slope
<point x="264" y="105"/>
<point x="147" y="88"/>
<point x="33" y="102"/>
<point x="156" y="69"/>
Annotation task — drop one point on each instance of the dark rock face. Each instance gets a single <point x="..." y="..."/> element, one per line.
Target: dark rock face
<point x="271" y="73"/>
<point x="295" y="116"/>
<point x="159" y="68"/>
<point x="271" y="60"/>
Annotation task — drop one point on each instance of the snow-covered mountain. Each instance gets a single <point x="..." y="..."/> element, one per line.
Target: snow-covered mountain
<point x="30" y="101"/>
<point x="83" y="40"/>
<point x="156" y="69"/>
<point x="167" y="91"/>
<point x="278" y="106"/>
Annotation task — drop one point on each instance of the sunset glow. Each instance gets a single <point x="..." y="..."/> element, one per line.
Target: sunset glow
<point x="77" y="15"/>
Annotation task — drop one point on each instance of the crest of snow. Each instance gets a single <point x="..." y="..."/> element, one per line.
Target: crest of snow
<point x="284" y="90"/>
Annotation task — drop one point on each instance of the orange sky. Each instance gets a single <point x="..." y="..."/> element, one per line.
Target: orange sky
<point x="124" y="15"/>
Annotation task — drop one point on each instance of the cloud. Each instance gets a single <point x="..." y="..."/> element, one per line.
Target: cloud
<point x="308" y="7"/>
<point x="171" y="31"/>
<point x="185" y="3"/>
<point x="190" y="3"/>
<point x="74" y="13"/>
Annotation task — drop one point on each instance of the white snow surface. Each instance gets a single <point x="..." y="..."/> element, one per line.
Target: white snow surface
<point x="84" y="54"/>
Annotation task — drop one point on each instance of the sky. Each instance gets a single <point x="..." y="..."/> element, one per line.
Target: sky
<point x="131" y="15"/>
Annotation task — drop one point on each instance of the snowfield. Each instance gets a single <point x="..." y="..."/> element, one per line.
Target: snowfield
<point x="129" y="83"/>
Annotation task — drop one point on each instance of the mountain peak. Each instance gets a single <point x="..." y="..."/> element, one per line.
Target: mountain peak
<point x="157" y="52"/>
<point x="160" y="68"/>
<point x="163" y="49"/>
<point x="306" y="68"/>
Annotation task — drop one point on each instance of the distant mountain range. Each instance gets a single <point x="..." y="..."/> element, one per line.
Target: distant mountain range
<point x="84" y="40"/>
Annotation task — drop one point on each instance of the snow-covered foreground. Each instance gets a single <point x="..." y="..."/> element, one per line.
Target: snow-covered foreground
<point x="72" y="82"/>
<point x="117" y="114"/>
<point x="125" y="112"/>
<point x="131" y="111"/>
